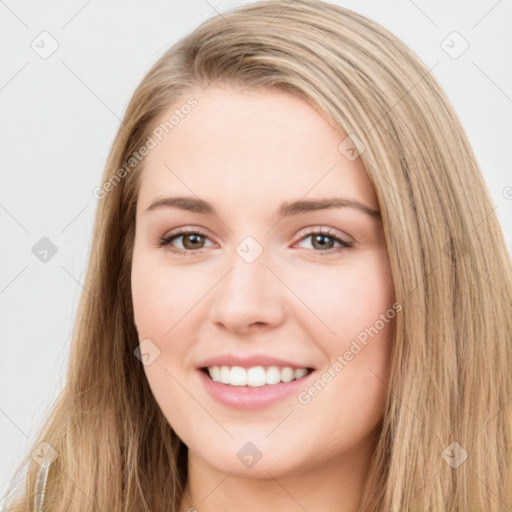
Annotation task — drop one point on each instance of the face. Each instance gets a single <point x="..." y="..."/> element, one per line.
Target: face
<point x="269" y="297"/>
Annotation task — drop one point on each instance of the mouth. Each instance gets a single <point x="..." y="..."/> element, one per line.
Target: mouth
<point x="256" y="376"/>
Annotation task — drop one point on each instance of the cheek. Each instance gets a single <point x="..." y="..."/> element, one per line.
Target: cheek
<point x="160" y="295"/>
<point x="162" y="303"/>
<point x="347" y="298"/>
<point x="167" y="310"/>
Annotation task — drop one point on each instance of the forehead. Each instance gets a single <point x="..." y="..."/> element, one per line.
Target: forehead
<point x="247" y="143"/>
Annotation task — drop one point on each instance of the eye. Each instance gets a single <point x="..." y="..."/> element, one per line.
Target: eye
<point x="323" y="239"/>
<point x="193" y="242"/>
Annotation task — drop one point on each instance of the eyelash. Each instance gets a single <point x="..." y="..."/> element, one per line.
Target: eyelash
<point x="165" y="241"/>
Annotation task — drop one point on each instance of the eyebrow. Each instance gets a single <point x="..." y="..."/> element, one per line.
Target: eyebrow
<point x="287" y="209"/>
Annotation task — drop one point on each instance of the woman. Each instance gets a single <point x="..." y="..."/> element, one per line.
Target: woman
<point x="339" y="339"/>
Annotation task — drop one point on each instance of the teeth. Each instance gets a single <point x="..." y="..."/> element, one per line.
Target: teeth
<point x="224" y="374"/>
<point x="238" y="376"/>
<point x="255" y="376"/>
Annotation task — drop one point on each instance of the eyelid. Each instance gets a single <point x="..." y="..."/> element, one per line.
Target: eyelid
<point x="186" y="230"/>
<point x="325" y="229"/>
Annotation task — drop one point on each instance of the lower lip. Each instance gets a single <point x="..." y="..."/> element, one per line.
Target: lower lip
<point x="247" y="398"/>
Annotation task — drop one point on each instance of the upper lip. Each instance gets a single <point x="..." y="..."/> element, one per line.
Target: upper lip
<point x="250" y="361"/>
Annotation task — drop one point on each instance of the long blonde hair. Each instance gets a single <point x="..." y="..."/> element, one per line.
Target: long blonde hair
<point x="451" y="374"/>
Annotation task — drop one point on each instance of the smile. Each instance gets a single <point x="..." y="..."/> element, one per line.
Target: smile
<point x="248" y="391"/>
<point x="255" y="376"/>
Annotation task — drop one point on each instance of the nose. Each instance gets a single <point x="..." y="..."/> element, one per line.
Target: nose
<point x="248" y="297"/>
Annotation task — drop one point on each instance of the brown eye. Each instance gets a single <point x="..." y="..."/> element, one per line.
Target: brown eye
<point x="192" y="242"/>
<point x="323" y="242"/>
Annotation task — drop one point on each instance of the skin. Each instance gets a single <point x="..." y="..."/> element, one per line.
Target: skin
<point x="246" y="152"/>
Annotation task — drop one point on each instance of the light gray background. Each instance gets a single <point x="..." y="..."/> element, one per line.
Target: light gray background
<point x="59" y="116"/>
